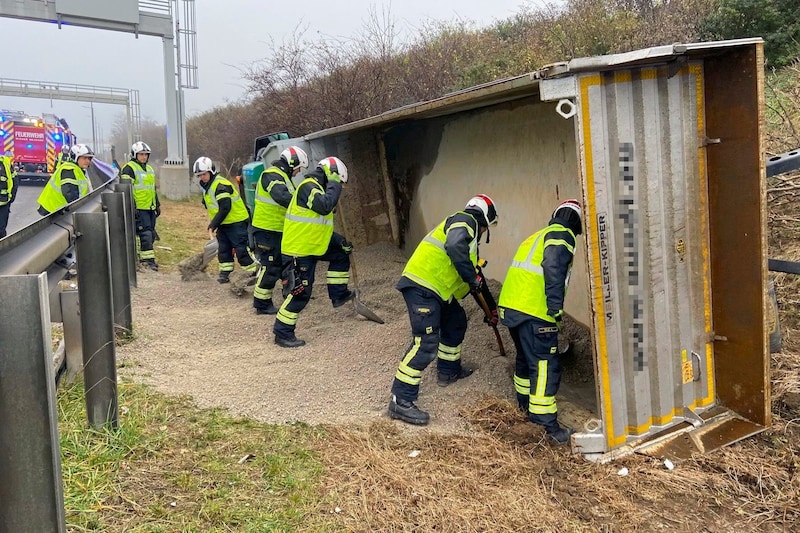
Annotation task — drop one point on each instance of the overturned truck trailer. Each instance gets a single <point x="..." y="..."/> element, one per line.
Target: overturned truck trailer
<point x="664" y="148"/>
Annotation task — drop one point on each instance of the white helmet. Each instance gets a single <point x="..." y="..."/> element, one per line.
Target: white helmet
<point x="203" y="164"/>
<point x="485" y="205"/>
<point x="296" y="157"/>
<point x="64" y="148"/>
<point x="334" y="165"/>
<point x="80" y="150"/>
<point x="139" y="147"/>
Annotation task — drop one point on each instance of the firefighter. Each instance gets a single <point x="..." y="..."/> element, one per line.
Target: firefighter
<point x="8" y="191"/>
<point x="272" y="196"/>
<point x="308" y="237"/>
<point x="442" y="270"/>
<point x="68" y="183"/>
<point x="532" y="307"/>
<point x="63" y="155"/>
<point x="142" y="177"/>
<point x="229" y="218"/>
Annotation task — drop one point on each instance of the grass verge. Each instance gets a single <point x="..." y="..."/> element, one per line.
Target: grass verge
<point x="182" y="231"/>
<point x="172" y="467"/>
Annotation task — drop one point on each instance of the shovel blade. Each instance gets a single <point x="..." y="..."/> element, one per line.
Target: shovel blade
<point x="209" y="252"/>
<point x="365" y="311"/>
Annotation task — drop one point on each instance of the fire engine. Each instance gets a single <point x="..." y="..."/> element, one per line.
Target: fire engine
<point x="34" y="142"/>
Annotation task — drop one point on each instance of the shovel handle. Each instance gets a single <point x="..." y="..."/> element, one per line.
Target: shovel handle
<point x="482" y="302"/>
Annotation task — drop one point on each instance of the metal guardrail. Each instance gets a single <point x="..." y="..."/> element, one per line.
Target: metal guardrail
<point x="94" y="234"/>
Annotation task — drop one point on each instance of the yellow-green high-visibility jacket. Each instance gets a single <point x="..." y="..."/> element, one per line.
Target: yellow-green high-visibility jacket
<point x="144" y="184"/>
<point x="268" y="214"/>
<point x="432" y="267"/>
<point x="52" y="198"/>
<point x="532" y="287"/>
<point x="306" y="232"/>
<point x="6" y="181"/>
<point x="238" y="211"/>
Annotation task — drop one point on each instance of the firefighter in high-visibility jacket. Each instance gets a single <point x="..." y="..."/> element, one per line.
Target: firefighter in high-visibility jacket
<point x="308" y="237"/>
<point x="272" y="196"/>
<point x="8" y="191"/>
<point x="142" y="177"/>
<point x="63" y="155"/>
<point x="441" y="271"/>
<point x="229" y="218"/>
<point x="532" y="307"/>
<point x="68" y="183"/>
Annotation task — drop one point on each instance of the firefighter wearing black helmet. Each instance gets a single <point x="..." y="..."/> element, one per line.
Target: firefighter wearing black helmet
<point x="532" y="307"/>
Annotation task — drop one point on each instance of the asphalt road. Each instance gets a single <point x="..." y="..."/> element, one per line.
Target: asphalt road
<point x="23" y="210"/>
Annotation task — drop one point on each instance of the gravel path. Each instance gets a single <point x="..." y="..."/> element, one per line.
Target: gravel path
<point x="198" y="338"/>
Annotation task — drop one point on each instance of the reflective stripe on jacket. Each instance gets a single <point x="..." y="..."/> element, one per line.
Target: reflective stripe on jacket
<point x="269" y="214"/>
<point x="431" y="267"/>
<point x="144" y="185"/>
<point x="52" y="198"/>
<point x="6" y="181"/>
<point x="238" y="211"/>
<point x="306" y="232"/>
<point x="524" y="287"/>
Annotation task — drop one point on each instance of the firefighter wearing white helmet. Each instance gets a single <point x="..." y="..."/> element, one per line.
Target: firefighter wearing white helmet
<point x="68" y="183"/>
<point x="442" y="270"/>
<point x="8" y="191"/>
<point x="63" y="155"/>
<point x="142" y="178"/>
<point x="532" y="307"/>
<point x="273" y="194"/>
<point x="308" y="237"/>
<point x="229" y="218"/>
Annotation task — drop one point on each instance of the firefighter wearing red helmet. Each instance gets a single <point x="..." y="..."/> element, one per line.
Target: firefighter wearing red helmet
<point x="308" y="237"/>
<point x="272" y="197"/>
<point x="532" y="307"/>
<point x="442" y="270"/>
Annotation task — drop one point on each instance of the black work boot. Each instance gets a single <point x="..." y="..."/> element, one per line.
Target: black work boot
<point x="559" y="436"/>
<point x="267" y="309"/>
<point x="341" y="301"/>
<point x="446" y="379"/>
<point x="224" y="277"/>
<point x="289" y="342"/>
<point x="407" y="412"/>
<point x="151" y="263"/>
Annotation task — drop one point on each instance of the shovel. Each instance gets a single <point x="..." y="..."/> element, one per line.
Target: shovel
<point x="209" y="250"/>
<point x="360" y="308"/>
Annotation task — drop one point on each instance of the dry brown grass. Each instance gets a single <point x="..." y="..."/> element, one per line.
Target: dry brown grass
<point x="505" y="478"/>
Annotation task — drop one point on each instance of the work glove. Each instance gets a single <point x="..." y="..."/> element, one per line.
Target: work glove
<point x="557" y="315"/>
<point x="158" y="211"/>
<point x="493" y="320"/>
<point x="347" y="246"/>
<point x="478" y="285"/>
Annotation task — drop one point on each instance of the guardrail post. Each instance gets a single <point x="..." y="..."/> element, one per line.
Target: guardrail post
<point x="130" y="229"/>
<point x="31" y="490"/>
<point x="73" y="338"/>
<point x="114" y="203"/>
<point x="97" y="314"/>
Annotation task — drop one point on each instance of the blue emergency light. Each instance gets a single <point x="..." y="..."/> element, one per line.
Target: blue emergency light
<point x="57" y="136"/>
<point x="29" y="146"/>
<point x="2" y="133"/>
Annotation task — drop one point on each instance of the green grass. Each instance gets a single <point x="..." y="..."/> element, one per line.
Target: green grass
<point x="172" y="467"/>
<point x="182" y="229"/>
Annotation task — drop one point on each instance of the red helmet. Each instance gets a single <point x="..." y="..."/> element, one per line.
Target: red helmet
<point x="485" y="205"/>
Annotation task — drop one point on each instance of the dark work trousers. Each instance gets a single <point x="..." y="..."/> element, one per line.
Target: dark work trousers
<point x="268" y="247"/>
<point x="338" y="277"/>
<point x="5" y="211"/>
<point x="234" y="237"/>
<point x="145" y="230"/>
<point x="538" y="370"/>
<point x="438" y="329"/>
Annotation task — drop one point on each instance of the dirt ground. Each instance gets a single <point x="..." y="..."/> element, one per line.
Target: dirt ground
<point x="199" y="338"/>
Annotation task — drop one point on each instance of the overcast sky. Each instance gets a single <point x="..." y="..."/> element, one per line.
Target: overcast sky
<point x="230" y="34"/>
